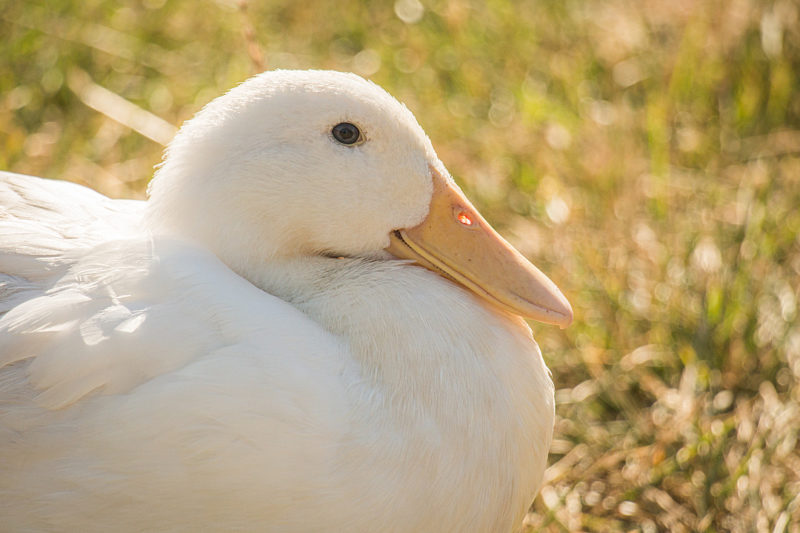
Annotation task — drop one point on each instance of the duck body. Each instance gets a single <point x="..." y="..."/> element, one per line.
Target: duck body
<point x="151" y="381"/>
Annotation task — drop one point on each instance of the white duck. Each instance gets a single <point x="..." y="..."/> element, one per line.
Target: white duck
<point x="241" y="353"/>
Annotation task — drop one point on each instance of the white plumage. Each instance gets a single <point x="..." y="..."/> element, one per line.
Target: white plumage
<point x="239" y="353"/>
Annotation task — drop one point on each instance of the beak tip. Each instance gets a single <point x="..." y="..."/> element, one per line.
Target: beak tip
<point x="567" y="320"/>
<point x="564" y="312"/>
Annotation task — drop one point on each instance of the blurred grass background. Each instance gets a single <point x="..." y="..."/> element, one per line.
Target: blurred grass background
<point x="645" y="154"/>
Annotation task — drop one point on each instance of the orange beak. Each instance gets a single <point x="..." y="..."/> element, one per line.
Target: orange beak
<point x="456" y="242"/>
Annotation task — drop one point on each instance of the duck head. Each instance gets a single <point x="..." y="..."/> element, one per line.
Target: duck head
<point x="319" y="163"/>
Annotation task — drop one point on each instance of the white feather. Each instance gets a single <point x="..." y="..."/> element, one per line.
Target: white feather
<point x="194" y="363"/>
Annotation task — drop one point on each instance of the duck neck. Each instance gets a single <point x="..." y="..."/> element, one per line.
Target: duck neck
<point x="441" y="387"/>
<point x="415" y="336"/>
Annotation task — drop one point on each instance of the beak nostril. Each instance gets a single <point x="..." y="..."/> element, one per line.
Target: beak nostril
<point x="464" y="218"/>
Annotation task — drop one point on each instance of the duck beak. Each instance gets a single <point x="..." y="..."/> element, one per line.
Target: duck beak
<point x="456" y="242"/>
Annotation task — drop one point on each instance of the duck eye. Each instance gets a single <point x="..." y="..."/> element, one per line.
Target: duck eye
<point x="346" y="133"/>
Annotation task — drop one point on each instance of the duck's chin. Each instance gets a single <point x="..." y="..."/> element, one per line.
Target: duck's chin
<point x="377" y="287"/>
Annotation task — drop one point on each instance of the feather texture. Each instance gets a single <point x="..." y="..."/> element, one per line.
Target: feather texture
<point x="151" y="381"/>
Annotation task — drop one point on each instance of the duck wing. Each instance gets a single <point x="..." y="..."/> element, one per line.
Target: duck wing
<point x="136" y="369"/>
<point x="41" y="220"/>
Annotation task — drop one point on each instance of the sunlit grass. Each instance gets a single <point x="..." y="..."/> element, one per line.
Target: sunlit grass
<point x="645" y="154"/>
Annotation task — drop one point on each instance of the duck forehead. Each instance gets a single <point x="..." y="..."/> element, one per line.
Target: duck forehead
<point x="304" y="98"/>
